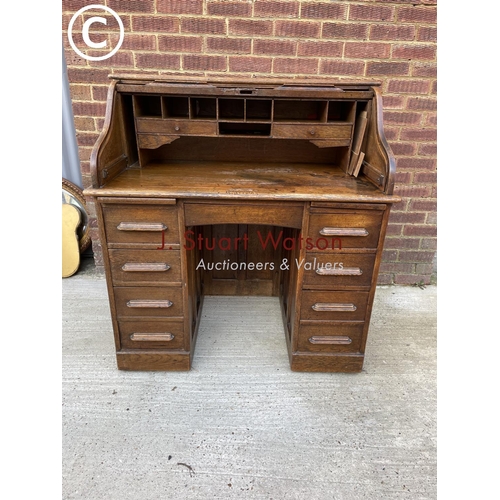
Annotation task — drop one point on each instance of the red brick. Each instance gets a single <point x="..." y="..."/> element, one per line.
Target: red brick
<point x="317" y="10"/>
<point x="427" y="149"/>
<point x="391" y="133"/>
<point x="396" y="267"/>
<point x="408" y="86"/>
<point x="159" y="61"/>
<point x="85" y="123"/>
<point x="80" y="92"/>
<point x="385" y="279"/>
<point x="89" y="108"/>
<point x="403" y="177"/>
<point x="389" y="255"/>
<point x="295" y="66"/>
<point x="139" y="42"/>
<point x="266" y="8"/>
<point x="73" y="59"/>
<point x="276" y="47"/>
<point x="85" y="139"/>
<point x="392" y="32"/>
<point x="120" y="59"/>
<point x="172" y="43"/>
<point x="412" y="279"/>
<point x="179" y="6"/>
<point x="317" y="48"/>
<point x="404" y="148"/>
<point x="387" y="68"/>
<point x="100" y="93"/>
<point x="393" y="101"/>
<point x="88" y="75"/>
<point x="111" y="22"/>
<point x="340" y="67"/>
<point x="427" y="34"/>
<point x="234" y="45"/>
<point x="412" y="52"/>
<point x="431" y="218"/>
<point x="251" y="64"/>
<point x="413" y="191"/>
<point x="250" y="27"/>
<point x="402" y="118"/>
<point x="414" y="230"/>
<point x="424" y="69"/>
<point x="425" y="134"/>
<point x="351" y="31"/>
<point x="416" y="164"/>
<point x="434" y="87"/>
<point x="398" y="243"/>
<point x="371" y="13"/>
<point x="409" y="256"/>
<point x="407" y="217"/>
<point x="131" y="6"/>
<point x="431" y="119"/>
<point x="204" y="63"/>
<point x="422" y="103"/>
<point x="203" y="25"/>
<point x="429" y="244"/>
<point x="425" y="177"/>
<point x="424" y="269"/>
<point x="394" y="229"/>
<point x="228" y="9"/>
<point x="155" y="24"/>
<point x="423" y="205"/>
<point x="401" y="206"/>
<point x="367" y="50"/>
<point x="417" y="15"/>
<point x="299" y="29"/>
<point x="73" y="5"/>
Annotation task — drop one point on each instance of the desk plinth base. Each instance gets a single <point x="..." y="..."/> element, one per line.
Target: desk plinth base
<point x="333" y="363"/>
<point x="153" y="361"/>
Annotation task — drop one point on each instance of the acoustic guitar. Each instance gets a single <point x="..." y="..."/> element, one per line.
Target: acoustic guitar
<point x="71" y="218"/>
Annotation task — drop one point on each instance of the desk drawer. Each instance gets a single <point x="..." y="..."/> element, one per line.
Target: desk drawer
<point x="176" y="127"/>
<point x="338" y="270"/>
<point x="331" y="306"/>
<point x="331" y="337"/>
<point x="141" y="224"/>
<point x="313" y="131"/>
<point x="151" y="334"/>
<point x="157" y="266"/>
<point x="345" y="230"/>
<point x="148" y="301"/>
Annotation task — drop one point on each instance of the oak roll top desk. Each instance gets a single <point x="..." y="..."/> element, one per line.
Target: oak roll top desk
<point x="220" y="187"/>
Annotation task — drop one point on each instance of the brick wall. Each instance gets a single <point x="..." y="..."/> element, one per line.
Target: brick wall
<point x="390" y="41"/>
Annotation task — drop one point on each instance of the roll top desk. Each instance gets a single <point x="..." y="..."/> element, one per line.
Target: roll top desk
<point x="242" y="188"/>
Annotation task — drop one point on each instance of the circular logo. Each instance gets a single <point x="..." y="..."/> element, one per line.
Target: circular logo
<point x="85" y="32"/>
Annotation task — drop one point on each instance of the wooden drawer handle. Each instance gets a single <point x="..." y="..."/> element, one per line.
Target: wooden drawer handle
<point x="145" y="266"/>
<point x="149" y="303"/>
<point x="333" y="339"/>
<point x="332" y="307"/>
<point x="152" y="337"/>
<point x="343" y="231"/>
<point x="141" y="226"/>
<point x="346" y="271"/>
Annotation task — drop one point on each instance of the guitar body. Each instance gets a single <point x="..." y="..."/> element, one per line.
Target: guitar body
<point x="70" y="247"/>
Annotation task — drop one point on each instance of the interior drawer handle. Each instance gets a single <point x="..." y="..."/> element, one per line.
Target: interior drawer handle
<point x="332" y="307"/>
<point x="145" y="266"/>
<point x="150" y="303"/>
<point x="346" y="271"/>
<point x="152" y="337"/>
<point x="333" y="339"/>
<point x="343" y="231"/>
<point x="141" y="226"/>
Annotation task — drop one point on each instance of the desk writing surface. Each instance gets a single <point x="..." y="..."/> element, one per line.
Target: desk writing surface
<point x="248" y="180"/>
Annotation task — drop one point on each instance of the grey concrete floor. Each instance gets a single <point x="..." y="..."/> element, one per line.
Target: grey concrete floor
<point x="240" y="424"/>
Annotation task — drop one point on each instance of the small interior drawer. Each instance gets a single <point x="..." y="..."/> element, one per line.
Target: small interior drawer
<point x="149" y="225"/>
<point x="176" y="127"/>
<point x="338" y="270"/>
<point x="313" y="131"/>
<point x="148" y="301"/>
<point x="343" y="230"/>
<point x="155" y="266"/>
<point x="331" y="306"/>
<point x="330" y="337"/>
<point x="151" y="334"/>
